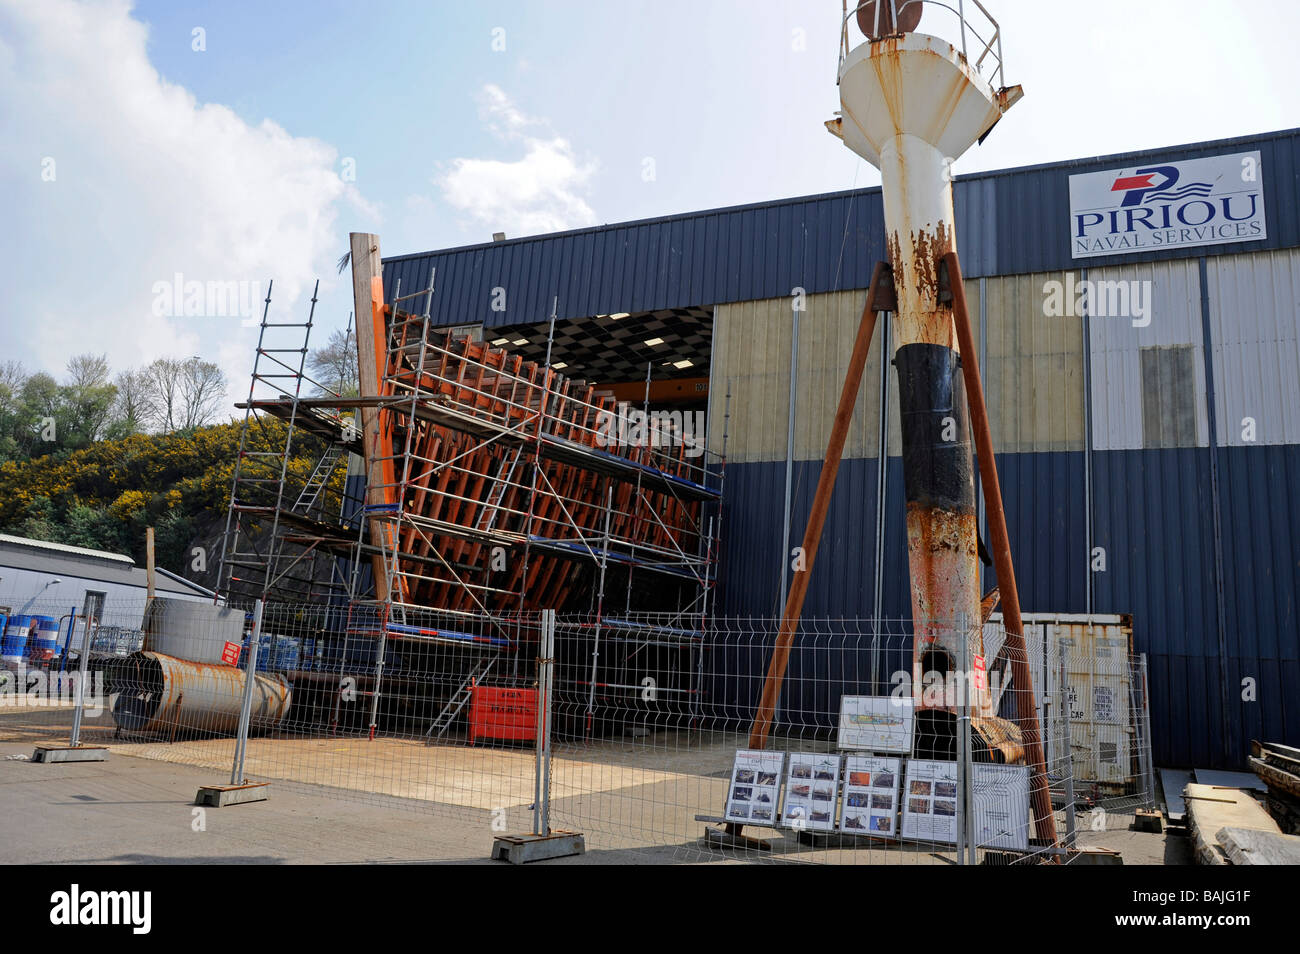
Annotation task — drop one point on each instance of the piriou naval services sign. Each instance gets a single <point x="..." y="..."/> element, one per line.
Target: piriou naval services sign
<point x="1155" y="206"/>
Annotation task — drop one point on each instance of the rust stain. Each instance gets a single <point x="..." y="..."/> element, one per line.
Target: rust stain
<point x="887" y="63"/>
<point x="943" y="563"/>
<point x="921" y="318"/>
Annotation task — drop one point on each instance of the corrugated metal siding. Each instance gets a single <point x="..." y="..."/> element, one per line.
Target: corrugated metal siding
<point x="1151" y="511"/>
<point x="1033" y="368"/>
<point x="1045" y="503"/>
<point x="750" y="376"/>
<point x="1152" y="517"/>
<point x="751" y="357"/>
<point x="1009" y="222"/>
<point x="1261" y="538"/>
<point x="1044" y="495"/>
<point x="1255" y="329"/>
<point x="1045" y="524"/>
<point x="842" y="583"/>
<point x="1116" y="348"/>
<point x="820" y="243"/>
<point x="1253" y="326"/>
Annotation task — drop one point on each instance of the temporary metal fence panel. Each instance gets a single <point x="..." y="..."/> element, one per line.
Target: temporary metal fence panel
<point x="439" y="714"/>
<point x="662" y="751"/>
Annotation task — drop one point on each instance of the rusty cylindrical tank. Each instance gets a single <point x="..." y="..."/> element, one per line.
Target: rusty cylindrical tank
<point x="162" y="693"/>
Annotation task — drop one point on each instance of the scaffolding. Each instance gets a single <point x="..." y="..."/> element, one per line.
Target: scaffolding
<point x="271" y="547"/>
<point x="503" y="487"/>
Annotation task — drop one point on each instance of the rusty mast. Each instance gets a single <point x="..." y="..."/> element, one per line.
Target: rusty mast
<point x="910" y="104"/>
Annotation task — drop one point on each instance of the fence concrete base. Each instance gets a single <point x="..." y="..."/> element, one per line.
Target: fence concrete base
<point x="521" y="849"/>
<point x="1150" y="821"/>
<point x="1094" y="855"/>
<point x="70" y="753"/>
<point x="219" y="796"/>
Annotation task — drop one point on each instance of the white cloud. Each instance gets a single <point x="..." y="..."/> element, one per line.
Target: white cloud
<point x="148" y="183"/>
<point x="540" y="192"/>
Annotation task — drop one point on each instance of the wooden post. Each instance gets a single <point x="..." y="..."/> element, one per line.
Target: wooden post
<point x="1000" y="543"/>
<point x="148" y="564"/>
<point x="367" y="277"/>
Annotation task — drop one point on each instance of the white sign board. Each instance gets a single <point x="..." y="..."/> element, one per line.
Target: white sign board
<point x="930" y="801"/>
<point x="1000" y="803"/>
<point x="1000" y="794"/>
<point x="754" y="794"/>
<point x="1158" y="205"/>
<point x="810" y="791"/>
<point x="875" y="724"/>
<point x="870" y="796"/>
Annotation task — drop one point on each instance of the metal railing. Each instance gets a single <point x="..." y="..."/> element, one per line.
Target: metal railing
<point x="987" y="59"/>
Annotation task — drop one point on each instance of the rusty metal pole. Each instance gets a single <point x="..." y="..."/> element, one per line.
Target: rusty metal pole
<point x="1021" y="677"/>
<point x="817" y="516"/>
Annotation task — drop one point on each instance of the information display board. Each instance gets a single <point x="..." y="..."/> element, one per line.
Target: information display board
<point x="930" y="801"/>
<point x="999" y="809"/>
<point x="875" y="724"/>
<point x="870" y="796"/>
<point x="1000" y="796"/>
<point x="754" y="795"/>
<point x="810" y="791"/>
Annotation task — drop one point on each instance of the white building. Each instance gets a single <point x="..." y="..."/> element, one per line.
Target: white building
<point x="54" y="579"/>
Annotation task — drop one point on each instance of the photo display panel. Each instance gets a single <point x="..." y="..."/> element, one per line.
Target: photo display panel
<point x="755" y="791"/>
<point x="810" y="791"/>
<point x="870" y="796"/>
<point x="930" y="801"/>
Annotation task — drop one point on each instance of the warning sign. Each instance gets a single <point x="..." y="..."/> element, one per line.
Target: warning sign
<point x="230" y="654"/>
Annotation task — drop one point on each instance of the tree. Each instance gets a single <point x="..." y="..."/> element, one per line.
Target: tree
<point x="202" y="392"/>
<point x="12" y="378"/>
<point x="41" y="420"/>
<point x="133" y="409"/>
<point x="88" y="371"/>
<point x="159" y="381"/>
<point x="180" y="394"/>
<point x="334" y="365"/>
<point x="87" y="400"/>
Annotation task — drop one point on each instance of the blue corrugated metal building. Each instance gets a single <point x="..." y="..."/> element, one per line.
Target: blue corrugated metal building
<point x="1147" y="469"/>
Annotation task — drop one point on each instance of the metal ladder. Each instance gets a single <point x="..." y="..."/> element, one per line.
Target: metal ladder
<point x="443" y="721"/>
<point x="257" y="490"/>
<point x="498" y="492"/>
<point x="319" y="478"/>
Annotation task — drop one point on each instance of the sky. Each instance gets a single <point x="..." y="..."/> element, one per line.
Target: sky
<point x="151" y="148"/>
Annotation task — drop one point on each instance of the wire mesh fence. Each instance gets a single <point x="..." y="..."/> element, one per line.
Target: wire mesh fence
<point x="873" y="752"/>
